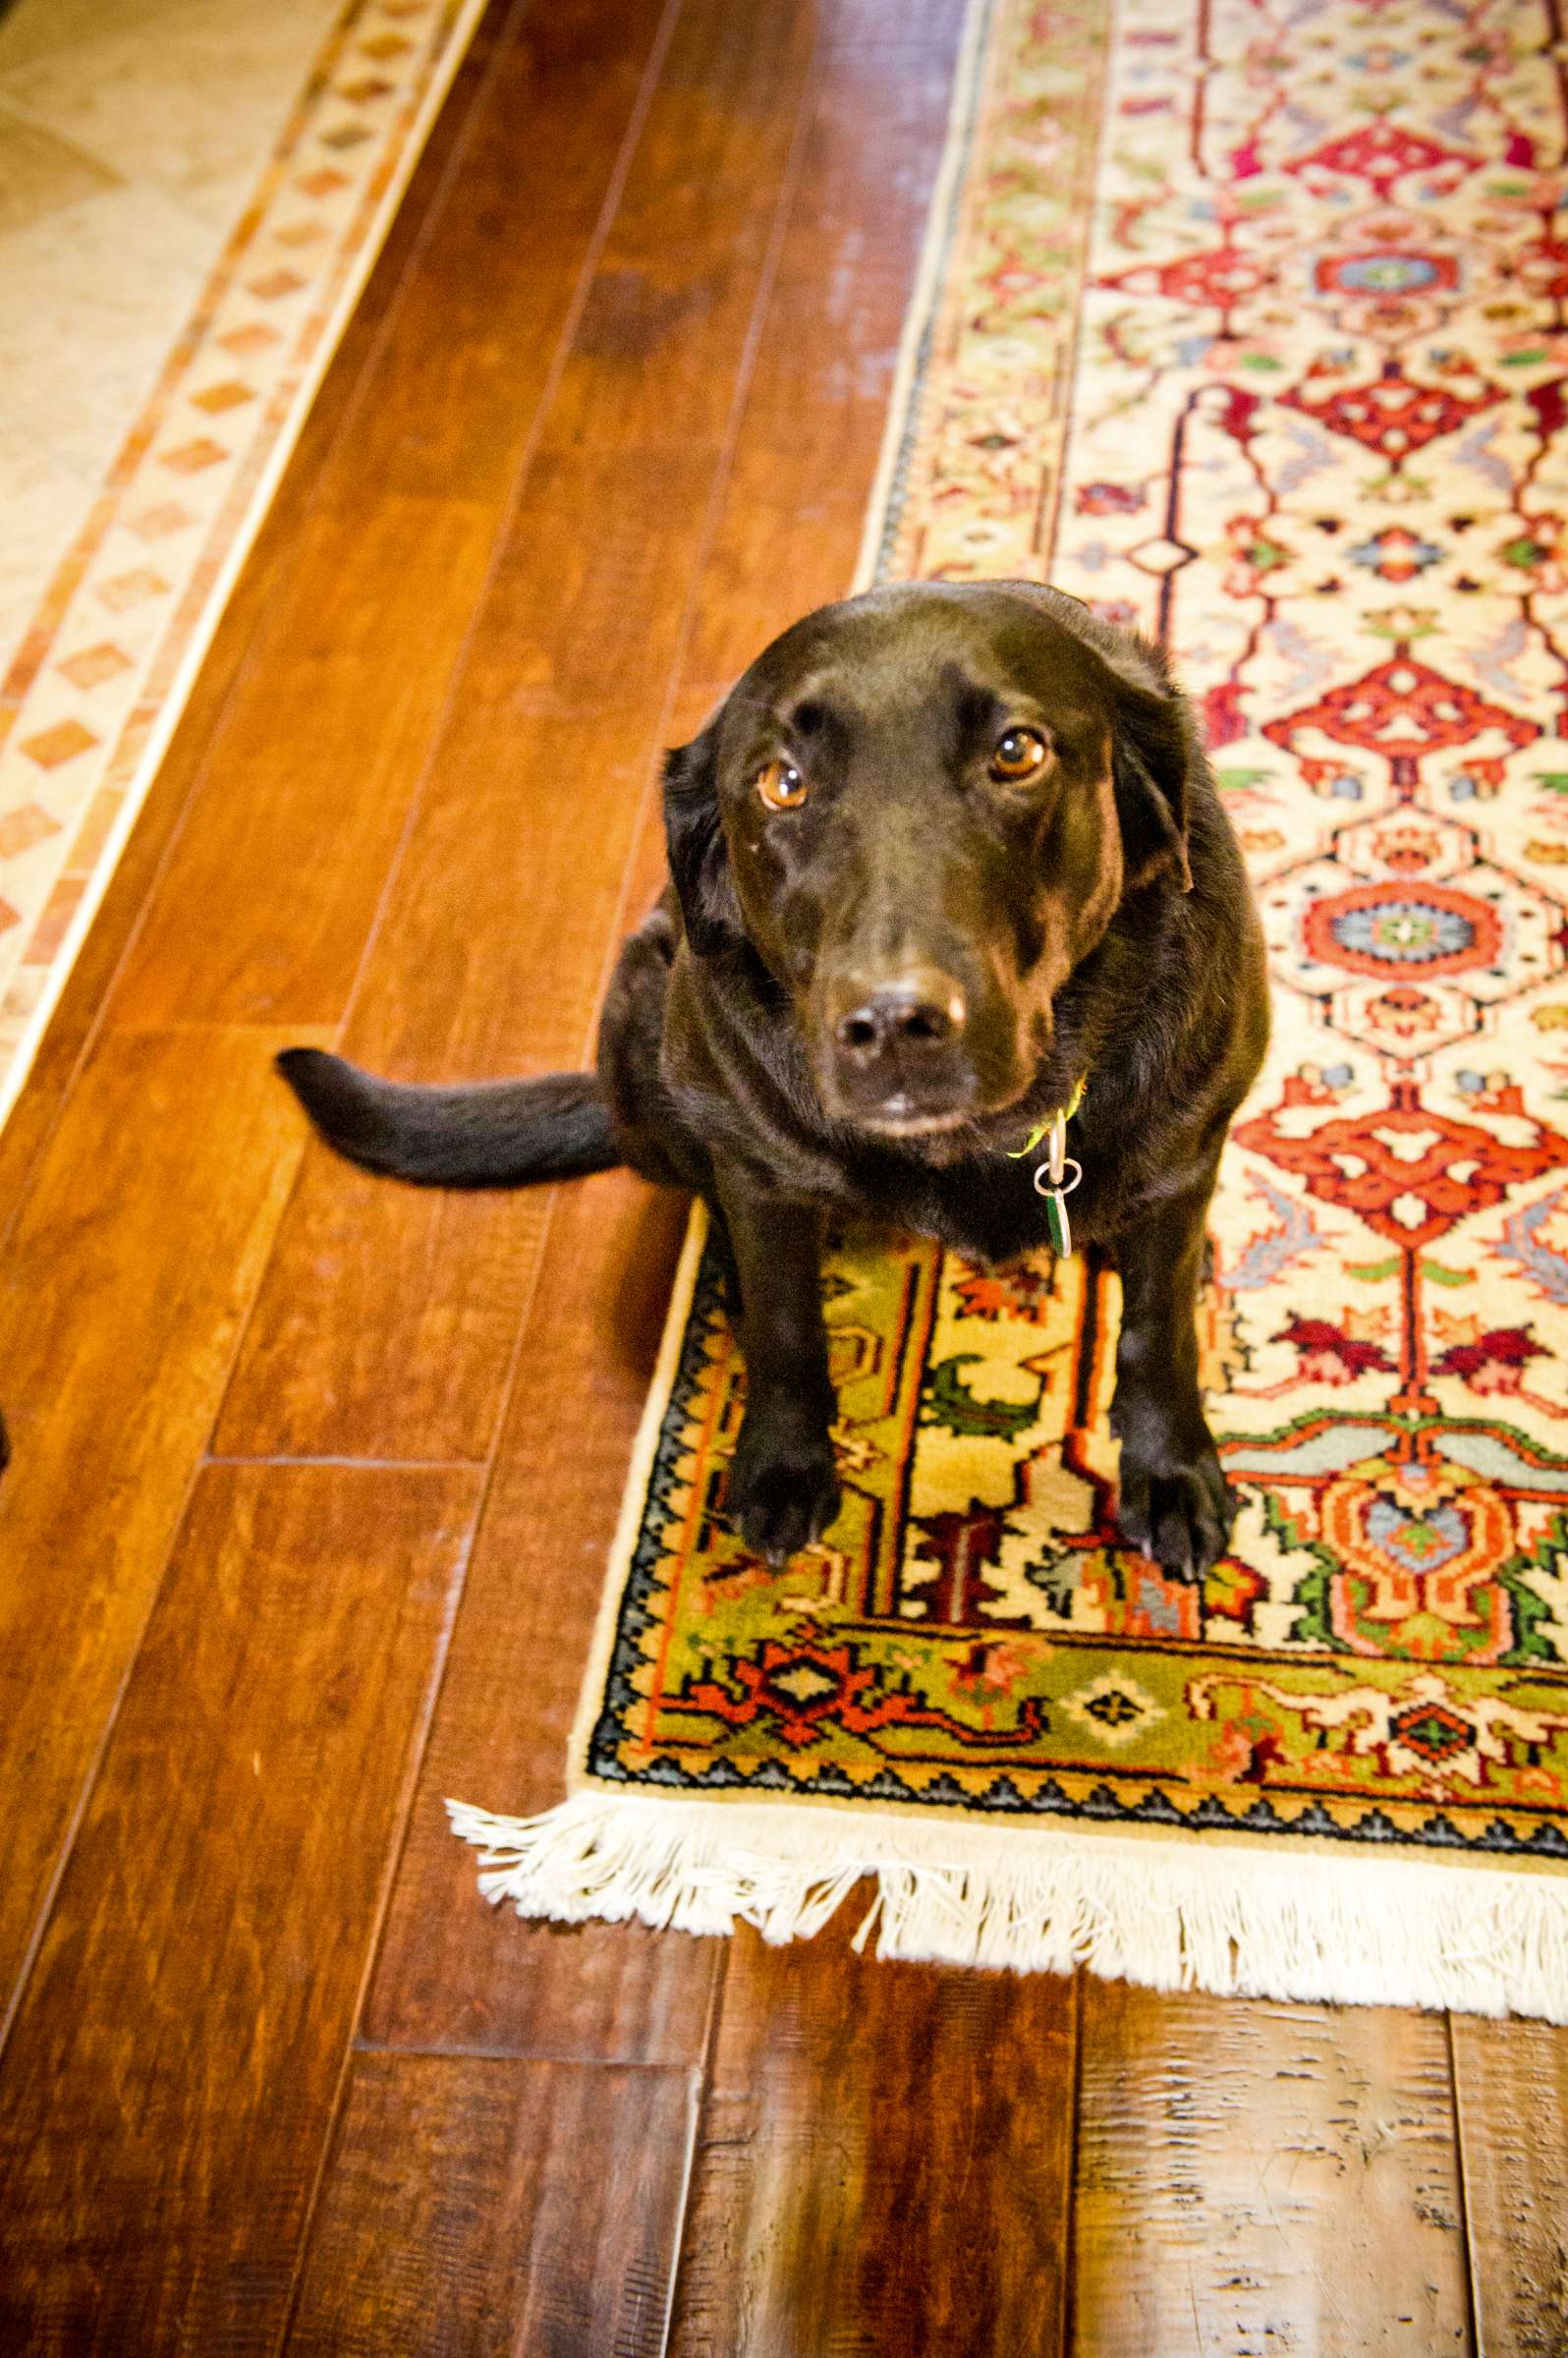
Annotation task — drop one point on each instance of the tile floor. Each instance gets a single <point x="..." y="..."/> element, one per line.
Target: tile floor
<point x="131" y="133"/>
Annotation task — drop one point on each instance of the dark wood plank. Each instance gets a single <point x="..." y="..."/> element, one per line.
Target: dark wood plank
<point x="812" y="430"/>
<point x="326" y="735"/>
<point x="471" y="350"/>
<point x="120" y="1298"/>
<point x="167" y="2093"/>
<point x="1511" y="2086"/>
<point x="1258" y="2178"/>
<point x="495" y="2207"/>
<point x="453" y="1973"/>
<point x="885" y="2161"/>
<point x="493" y="946"/>
<point x="256" y="919"/>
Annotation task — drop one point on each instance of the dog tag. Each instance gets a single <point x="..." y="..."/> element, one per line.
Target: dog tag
<point x="1053" y="1184"/>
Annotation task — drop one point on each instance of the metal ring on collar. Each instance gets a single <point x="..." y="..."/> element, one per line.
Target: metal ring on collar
<point x="1046" y="1185"/>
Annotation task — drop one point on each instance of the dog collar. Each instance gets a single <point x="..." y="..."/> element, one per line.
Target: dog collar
<point x="1051" y="1181"/>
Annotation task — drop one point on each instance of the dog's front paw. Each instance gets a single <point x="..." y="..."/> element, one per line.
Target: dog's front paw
<point x="783" y="1488"/>
<point x="1178" y="1513"/>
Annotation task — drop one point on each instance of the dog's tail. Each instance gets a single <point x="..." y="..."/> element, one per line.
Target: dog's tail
<point x="488" y="1133"/>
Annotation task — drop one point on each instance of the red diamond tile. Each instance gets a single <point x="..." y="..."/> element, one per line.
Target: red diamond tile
<point x="227" y="396"/>
<point x="276" y="283"/>
<point x="20" y="830"/>
<point x="302" y="233"/>
<point x="322" y="182"/>
<point x="254" y="338"/>
<point x="192" y="457"/>
<point x="132" y="589"/>
<point x="347" y="134"/>
<point x="53" y="747"/>
<point x="156" y="524"/>
<point x="94" y="664"/>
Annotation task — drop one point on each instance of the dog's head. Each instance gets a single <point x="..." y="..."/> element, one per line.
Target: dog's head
<point x="922" y="809"/>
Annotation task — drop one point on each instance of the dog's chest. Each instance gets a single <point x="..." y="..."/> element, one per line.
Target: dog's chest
<point x="989" y="1210"/>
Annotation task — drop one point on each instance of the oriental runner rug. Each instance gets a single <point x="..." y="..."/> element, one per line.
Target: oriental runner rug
<point x="1244" y="323"/>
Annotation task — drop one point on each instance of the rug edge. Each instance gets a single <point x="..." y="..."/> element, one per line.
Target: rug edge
<point x="1205" y="1916"/>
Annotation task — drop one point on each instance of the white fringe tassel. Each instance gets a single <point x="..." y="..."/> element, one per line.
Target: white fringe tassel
<point x="1178" y="1915"/>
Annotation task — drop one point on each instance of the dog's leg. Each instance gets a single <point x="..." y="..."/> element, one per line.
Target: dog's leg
<point x="1175" y="1502"/>
<point x="783" y="1484"/>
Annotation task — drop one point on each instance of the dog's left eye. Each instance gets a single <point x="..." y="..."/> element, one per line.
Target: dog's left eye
<point x="1017" y="755"/>
<point x="781" y="786"/>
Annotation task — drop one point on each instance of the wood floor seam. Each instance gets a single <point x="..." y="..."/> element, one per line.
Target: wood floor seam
<point x="1467" y="2235"/>
<point x="417" y="1741"/>
<point x="18" y="1991"/>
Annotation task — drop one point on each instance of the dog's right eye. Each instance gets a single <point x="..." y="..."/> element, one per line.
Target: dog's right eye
<point x="781" y="786"/>
<point x="1018" y="756"/>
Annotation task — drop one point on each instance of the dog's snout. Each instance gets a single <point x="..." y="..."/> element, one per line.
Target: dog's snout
<point x="897" y="1048"/>
<point x="918" y="1011"/>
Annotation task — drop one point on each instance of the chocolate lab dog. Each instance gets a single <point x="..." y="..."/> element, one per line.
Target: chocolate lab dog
<point x="947" y="862"/>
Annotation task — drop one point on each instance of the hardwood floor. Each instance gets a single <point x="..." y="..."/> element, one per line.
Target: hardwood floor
<point x="301" y="1534"/>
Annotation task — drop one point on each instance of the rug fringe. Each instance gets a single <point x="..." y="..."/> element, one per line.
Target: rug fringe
<point x="1220" y="1916"/>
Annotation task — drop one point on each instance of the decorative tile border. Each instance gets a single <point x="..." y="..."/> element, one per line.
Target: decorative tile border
<point x="99" y="680"/>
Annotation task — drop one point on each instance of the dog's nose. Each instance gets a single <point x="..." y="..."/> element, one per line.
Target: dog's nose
<point x="920" y="1011"/>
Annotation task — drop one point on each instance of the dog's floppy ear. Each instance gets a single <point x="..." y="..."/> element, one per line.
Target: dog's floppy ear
<point x="1151" y="755"/>
<point x="1153" y="744"/>
<point x="698" y="855"/>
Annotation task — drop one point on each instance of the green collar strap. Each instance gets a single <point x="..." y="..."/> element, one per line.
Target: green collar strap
<point x="1042" y="1129"/>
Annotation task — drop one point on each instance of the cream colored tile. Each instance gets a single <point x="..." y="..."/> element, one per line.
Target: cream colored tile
<point x="45" y="506"/>
<point x="94" y="294"/>
<point x="40" y="172"/>
<point x="35" y="28"/>
<point x="185" y="105"/>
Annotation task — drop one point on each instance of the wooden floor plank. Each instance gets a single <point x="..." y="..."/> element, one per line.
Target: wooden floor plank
<point x="122" y="1295"/>
<point x="373" y="601"/>
<point x="471" y="349"/>
<point x="884" y="2162"/>
<point x="1254" y="2177"/>
<point x="167" y="2093"/>
<point x="252" y="921"/>
<point x="452" y="1972"/>
<point x="495" y="2207"/>
<point x="1511" y="2085"/>
<point x="492" y="951"/>
<point x="812" y="431"/>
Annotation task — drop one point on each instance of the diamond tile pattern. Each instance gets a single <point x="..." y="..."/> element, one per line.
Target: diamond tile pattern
<point x="94" y="664"/>
<point x="63" y="743"/>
